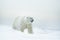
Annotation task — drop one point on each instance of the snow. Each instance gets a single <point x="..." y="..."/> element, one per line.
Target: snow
<point x="8" y="33"/>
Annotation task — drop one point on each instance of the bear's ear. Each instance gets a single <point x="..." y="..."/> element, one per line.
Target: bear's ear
<point x="28" y="17"/>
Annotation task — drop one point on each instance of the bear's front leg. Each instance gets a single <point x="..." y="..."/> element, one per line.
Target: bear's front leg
<point x="29" y="26"/>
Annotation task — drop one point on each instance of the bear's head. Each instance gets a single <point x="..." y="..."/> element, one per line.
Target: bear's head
<point x="30" y="19"/>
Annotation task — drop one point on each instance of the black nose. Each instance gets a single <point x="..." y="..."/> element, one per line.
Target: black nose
<point x="32" y="20"/>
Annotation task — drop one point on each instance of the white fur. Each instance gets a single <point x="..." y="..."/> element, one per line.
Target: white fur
<point x="21" y="23"/>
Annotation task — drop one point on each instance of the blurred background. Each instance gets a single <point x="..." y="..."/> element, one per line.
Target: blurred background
<point x="46" y="13"/>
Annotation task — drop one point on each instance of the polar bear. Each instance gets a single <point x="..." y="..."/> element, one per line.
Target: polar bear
<point x="22" y="23"/>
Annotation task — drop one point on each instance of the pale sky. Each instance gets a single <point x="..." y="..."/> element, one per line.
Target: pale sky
<point x="39" y="8"/>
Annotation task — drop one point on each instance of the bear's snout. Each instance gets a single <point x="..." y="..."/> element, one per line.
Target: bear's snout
<point x="32" y="20"/>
